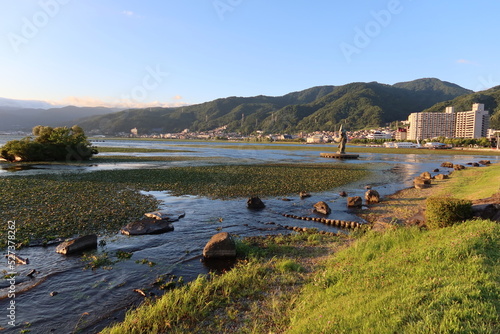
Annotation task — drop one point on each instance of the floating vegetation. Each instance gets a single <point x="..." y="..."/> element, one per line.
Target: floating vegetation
<point x="236" y="181"/>
<point x="58" y="206"/>
<point x="146" y="261"/>
<point x="51" y="206"/>
<point x="122" y="255"/>
<point x="94" y="261"/>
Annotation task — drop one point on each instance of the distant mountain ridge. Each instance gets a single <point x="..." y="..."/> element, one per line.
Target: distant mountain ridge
<point x="15" y="118"/>
<point x="357" y="105"/>
<point x="19" y="104"/>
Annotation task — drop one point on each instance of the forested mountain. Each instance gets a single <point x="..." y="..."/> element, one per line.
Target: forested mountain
<point x="358" y="105"/>
<point x="490" y="98"/>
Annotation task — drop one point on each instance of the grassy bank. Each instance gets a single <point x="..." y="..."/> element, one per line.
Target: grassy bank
<point x="405" y="280"/>
<point x="52" y="206"/>
<point x="473" y="183"/>
<point x="408" y="281"/>
<point x="254" y="297"/>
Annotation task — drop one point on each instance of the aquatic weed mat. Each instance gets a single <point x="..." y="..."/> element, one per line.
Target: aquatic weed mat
<point x="50" y="206"/>
<point x="236" y="180"/>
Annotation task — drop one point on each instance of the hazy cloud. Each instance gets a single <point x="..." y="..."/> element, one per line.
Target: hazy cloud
<point x="122" y="103"/>
<point x="128" y="13"/>
<point x="465" y="61"/>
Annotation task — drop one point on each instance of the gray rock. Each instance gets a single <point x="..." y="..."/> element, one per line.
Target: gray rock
<point x="447" y="164"/>
<point x="255" y="203"/>
<point x="78" y="244"/>
<point x="421" y="183"/>
<point x="354" y="202"/>
<point x="426" y="175"/>
<point x="372" y="196"/>
<point x="147" y="226"/>
<point x="322" y="207"/>
<point x="487" y="211"/>
<point x="304" y="194"/>
<point x="220" y="245"/>
<point x="167" y="215"/>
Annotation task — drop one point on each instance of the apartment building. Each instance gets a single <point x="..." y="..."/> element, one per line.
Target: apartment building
<point x="472" y="124"/>
<point x="451" y="124"/>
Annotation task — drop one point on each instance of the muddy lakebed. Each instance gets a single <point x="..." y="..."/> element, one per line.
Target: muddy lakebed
<point x="64" y="296"/>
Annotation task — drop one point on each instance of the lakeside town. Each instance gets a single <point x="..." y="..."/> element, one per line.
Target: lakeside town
<point x="434" y="129"/>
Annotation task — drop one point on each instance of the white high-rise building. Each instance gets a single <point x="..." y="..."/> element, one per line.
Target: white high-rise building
<point x="472" y="124"/>
<point x="451" y="124"/>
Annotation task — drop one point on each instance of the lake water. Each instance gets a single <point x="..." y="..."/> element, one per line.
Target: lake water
<point x="89" y="299"/>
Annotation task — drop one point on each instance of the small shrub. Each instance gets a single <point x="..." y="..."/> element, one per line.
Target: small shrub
<point x="446" y="211"/>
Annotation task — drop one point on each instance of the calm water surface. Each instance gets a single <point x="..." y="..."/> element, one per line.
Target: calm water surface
<point x="88" y="299"/>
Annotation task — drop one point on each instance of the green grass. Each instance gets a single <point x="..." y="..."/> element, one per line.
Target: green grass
<point x="253" y="297"/>
<point x="474" y="182"/>
<point x="408" y="281"/>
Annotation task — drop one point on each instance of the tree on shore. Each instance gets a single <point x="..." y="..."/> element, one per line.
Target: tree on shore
<point x="50" y="144"/>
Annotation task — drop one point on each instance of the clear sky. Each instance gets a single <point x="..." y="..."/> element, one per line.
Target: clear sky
<point x="167" y="52"/>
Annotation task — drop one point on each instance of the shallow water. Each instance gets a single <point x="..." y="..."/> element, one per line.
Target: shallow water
<point x="87" y="297"/>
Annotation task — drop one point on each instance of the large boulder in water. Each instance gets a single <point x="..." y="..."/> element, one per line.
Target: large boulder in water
<point x="147" y="226"/>
<point x="354" y="202"/>
<point x="322" y="207"/>
<point x="255" y="203"/>
<point x="220" y="245"/>
<point x="78" y="244"/>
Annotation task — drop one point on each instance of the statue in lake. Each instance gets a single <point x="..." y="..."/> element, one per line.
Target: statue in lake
<point x="342" y="140"/>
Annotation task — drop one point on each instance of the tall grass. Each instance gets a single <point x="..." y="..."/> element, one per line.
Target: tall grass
<point x="408" y="281"/>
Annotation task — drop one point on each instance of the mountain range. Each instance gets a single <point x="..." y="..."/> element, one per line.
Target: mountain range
<point x="356" y="105"/>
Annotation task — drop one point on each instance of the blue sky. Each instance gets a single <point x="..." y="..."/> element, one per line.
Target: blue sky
<point x="143" y="53"/>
